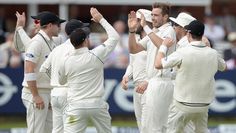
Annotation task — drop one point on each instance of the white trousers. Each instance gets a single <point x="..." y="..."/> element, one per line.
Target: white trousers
<point x="159" y="96"/>
<point x="58" y="108"/>
<point x="139" y="101"/>
<point x="180" y="119"/>
<point x="100" y="118"/>
<point x="189" y="128"/>
<point x="38" y="121"/>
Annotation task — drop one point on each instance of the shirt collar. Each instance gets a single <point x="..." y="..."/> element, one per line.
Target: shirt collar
<point x="81" y="50"/>
<point x="44" y="35"/>
<point x="183" y="40"/>
<point x="164" y="26"/>
<point x="197" y="44"/>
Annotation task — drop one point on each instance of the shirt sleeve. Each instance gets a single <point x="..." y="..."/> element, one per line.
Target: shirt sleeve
<point x="172" y="60"/>
<point x="109" y="45"/>
<point x="221" y="63"/>
<point x="129" y="69"/>
<point x="143" y="42"/>
<point x="62" y="74"/>
<point x="33" y="52"/>
<point x="21" y="40"/>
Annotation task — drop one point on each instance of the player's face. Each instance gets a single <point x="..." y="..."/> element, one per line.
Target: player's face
<point x="157" y="17"/>
<point x="55" y="29"/>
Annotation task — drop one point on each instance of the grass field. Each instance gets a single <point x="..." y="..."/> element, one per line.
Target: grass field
<point x="120" y="121"/>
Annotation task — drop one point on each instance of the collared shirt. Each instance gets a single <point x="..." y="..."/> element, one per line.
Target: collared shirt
<point x="53" y="62"/>
<point x="197" y="65"/>
<point x="136" y="69"/>
<point x="183" y="42"/>
<point x="164" y="31"/>
<point x="38" y="51"/>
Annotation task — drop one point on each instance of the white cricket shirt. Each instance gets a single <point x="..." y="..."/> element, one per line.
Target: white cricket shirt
<point x="38" y="51"/>
<point x="83" y="71"/>
<point x="52" y="64"/>
<point x="197" y="65"/>
<point x="164" y="31"/>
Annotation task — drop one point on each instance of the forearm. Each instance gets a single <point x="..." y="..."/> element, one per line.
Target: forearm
<point x="157" y="41"/>
<point x="160" y="55"/>
<point x="21" y="39"/>
<point x="134" y="47"/>
<point x="113" y="36"/>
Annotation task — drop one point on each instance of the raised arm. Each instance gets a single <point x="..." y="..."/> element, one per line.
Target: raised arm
<point x="113" y="37"/>
<point x="21" y="39"/>
<point x="134" y="47"/>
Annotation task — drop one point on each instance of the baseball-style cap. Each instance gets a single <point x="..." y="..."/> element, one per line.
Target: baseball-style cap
<point x="78" y="36"/>
<point x="74" y="24"/>
<point x="49" y="17"/>
<point x="196" y="28"/>
<point x="147" y="14"/>
<point x="39" y="15"/>
<point x="183" y="19"/>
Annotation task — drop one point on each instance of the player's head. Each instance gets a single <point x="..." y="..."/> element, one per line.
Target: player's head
<point x="79" y="37"/>
<point x="50" y="23"/>
<point x="160" y="14"/>
<point x="195" y="30"/>
<point x="148" y="17"/>
<point x="74" y="24"/>
<point x="180" y="22"/>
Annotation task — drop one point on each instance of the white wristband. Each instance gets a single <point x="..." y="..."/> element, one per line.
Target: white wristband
<point x="30" y="76"/>
<point x="147" y="29"/>
<point x="163" y="49"/>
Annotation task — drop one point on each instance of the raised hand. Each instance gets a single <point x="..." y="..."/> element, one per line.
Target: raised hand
<point x="96" y="15"/>
<point x="20" y="19"/>
<point x="143" y="20"/>
<point x="132" y="21"/>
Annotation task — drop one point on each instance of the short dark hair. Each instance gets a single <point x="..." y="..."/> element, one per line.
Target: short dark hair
<point x="77" y="37"/>
<point x="195" y="37"/>
<point x="165" y="7"/>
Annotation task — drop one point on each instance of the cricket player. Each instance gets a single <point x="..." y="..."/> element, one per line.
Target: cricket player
<point x="83" y="71"/>
<point x="36" y="86"/>
<point x="21" y="39"/>
<point x="51" y="64"/>
<point x="183" y="19"/>
<point x="160" y="87"/>
<point x="197" y="64"/>
<point x="136" y="71"/>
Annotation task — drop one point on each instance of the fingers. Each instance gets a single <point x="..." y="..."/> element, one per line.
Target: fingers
<point x="40" y="106"/>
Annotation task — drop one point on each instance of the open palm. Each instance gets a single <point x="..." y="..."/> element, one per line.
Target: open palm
<point x="132" y="21"/>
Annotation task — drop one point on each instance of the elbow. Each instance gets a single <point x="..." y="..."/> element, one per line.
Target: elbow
<point x="116" y="38"/>
<point x="158" y="65"/>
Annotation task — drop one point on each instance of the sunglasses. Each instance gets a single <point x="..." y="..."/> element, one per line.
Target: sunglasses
<point x="175" y="24"/>
<point x="36" y="21"/>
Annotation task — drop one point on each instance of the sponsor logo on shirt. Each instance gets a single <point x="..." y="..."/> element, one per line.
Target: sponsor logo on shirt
<point x="30" y="55"/>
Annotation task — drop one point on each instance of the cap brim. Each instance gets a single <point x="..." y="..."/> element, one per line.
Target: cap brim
<point x="86" y="30"/>
<point x="85" y="24"/>
<point x="62" y="21"/>
<point x="34" y="17"/>
<point x="175" y="21"/>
